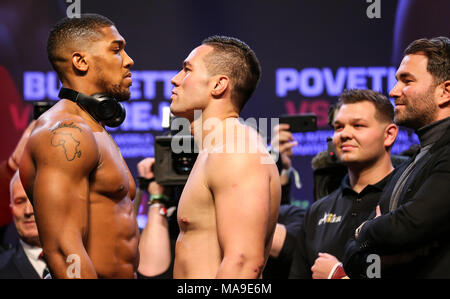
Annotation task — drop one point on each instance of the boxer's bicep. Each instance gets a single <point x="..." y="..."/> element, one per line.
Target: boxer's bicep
<point x="61" y="206"/>
<point x="240" y="186"/>
<point x="61" y="210"/>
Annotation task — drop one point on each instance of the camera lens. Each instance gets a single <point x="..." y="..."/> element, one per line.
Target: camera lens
<point x="183" y="163"/>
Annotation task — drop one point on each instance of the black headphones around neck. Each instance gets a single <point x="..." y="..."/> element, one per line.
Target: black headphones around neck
<point x="100" y="106"/>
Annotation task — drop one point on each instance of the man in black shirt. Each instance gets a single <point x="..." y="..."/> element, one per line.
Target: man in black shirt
<point x="364" y="133"/>
<point x="411" y="238"/>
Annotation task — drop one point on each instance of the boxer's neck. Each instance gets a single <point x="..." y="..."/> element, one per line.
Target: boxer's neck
<point x="211" y="132"/>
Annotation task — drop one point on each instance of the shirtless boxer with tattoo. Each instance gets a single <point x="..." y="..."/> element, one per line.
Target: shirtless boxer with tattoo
<point x="229" y="206"/>
<point x="72" y="169"/>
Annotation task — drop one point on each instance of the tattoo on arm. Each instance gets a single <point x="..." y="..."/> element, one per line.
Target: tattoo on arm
<point x="63" y="125"/>
<point x="65" y="140"/>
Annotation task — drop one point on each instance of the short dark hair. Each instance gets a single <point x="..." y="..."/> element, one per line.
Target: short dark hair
<point x="383" y="107"/>
<point x="234" y="58"/>
<point x="74" y="31"/>
<point x="438" y="52"/>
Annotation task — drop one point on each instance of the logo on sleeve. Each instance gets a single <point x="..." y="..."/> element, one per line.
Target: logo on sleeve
<point x="329" y="218"/>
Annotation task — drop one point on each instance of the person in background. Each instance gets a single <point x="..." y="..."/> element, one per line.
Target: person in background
<point x="25" y="260"/>
<point x="364" y="134"/>
<point x="290" y="217"/>
<point x="7" y="170"/>
<point x="410" y="233"/>
<point x="155" y="250"/>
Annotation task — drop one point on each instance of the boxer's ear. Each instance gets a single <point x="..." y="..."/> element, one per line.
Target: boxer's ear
<point x="79" y="61"/>
<point x="444" y="93"/>
<point x="220" y="85"/>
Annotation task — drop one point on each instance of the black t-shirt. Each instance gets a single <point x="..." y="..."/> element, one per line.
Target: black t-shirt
<point x="292" y="218"/>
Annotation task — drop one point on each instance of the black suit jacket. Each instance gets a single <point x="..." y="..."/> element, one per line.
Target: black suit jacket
<point x="416" y="235"/>
<point x="14" y="264"/>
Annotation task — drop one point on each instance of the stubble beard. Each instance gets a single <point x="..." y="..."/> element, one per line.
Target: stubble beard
<point x="414" y="117"/>
<point x="113" y="90"/>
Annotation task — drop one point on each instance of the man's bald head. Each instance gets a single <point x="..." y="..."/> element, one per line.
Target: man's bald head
<point x="73" y="34"/>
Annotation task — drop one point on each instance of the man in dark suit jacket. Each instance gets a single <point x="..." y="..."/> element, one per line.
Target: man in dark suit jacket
<point x="411" y="238"/>
<point x="23" y="260"/>
<point x="15" y="264"/>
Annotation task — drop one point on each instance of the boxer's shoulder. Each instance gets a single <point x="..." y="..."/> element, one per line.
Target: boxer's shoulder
<point x="66" y="132"/>
<point x="66" y="115"/>
<point x="63" y="123"/>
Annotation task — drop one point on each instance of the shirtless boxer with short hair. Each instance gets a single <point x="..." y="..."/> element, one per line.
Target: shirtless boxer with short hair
<point x="72" y="169"/>
<point x="229" y="206"/>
